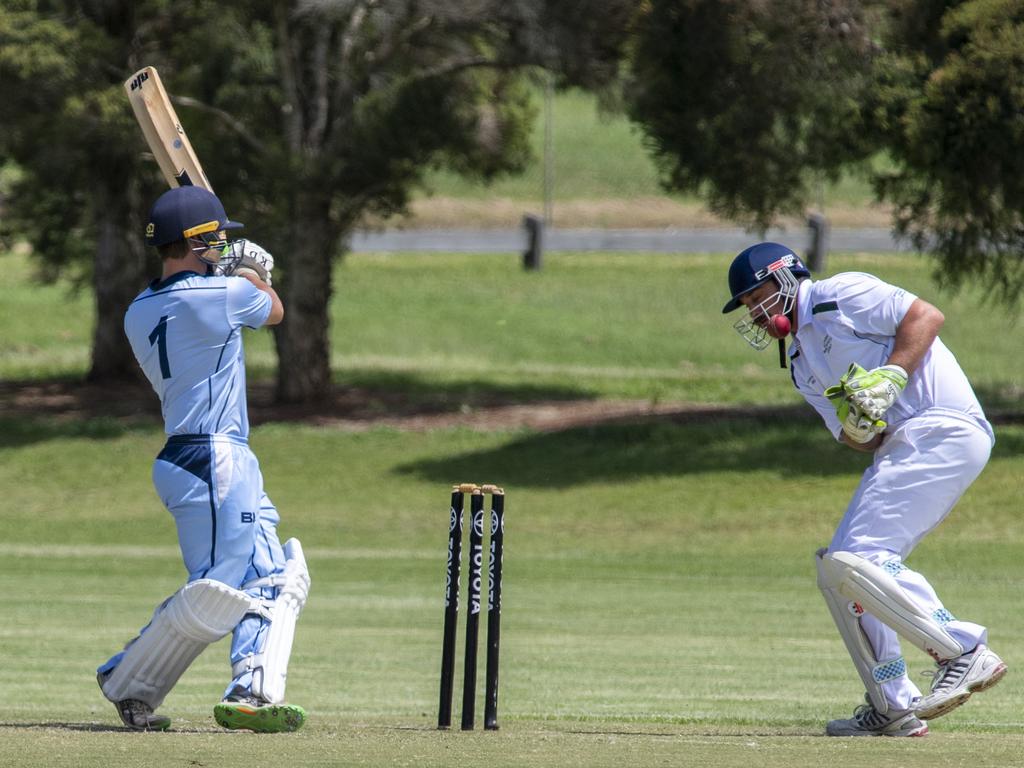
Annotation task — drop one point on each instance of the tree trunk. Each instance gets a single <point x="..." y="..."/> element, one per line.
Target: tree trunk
<point x="119" y="273"/>
<point x="303" y="347"/>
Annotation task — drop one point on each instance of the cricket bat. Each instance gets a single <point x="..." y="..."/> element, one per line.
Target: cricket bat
<point x="162" y="129"/>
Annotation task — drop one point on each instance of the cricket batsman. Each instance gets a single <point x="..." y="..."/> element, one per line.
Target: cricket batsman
<point x="185" y="330"/>
<point x="867" y="357"/>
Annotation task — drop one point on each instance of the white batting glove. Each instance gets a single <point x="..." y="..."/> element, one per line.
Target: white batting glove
<point x="876" y="390"/>
<point x="247" y="256"/>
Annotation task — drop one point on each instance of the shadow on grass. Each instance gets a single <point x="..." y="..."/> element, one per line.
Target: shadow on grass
<point x="18" y="432"/>
<point x="44" y="409"/>
<point x="424" y="391"/>
<point x="63" y="726"/>
<point x="667" y="446"/>
<point x="1009" y="443"/>
<point x="783" y="439"/>
<point x="37" y="410"/>
<point x="367" y="396"/>
<point x="1001" y="401"/>
<point x="58" y="725"/>
<point x="739" y="441"/>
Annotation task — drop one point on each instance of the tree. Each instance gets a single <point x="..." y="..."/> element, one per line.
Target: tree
<point x="947" y="107"/>
<point x="79" y="195"/>
<point x="748" y="102"/>
<point x="307" y="116"/>
<point x="323" y="113"/>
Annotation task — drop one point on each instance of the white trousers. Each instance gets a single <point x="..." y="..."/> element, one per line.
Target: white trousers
<point x="918" y="474"/>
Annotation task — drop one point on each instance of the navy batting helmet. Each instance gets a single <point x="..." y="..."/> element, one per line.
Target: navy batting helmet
<point x="758" y="264"/>
<point x="184" y="212"/>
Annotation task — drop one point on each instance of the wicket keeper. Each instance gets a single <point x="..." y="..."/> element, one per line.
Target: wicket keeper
<point x="867" y="357"/>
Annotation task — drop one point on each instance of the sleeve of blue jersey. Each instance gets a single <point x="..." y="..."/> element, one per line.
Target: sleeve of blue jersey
<point x="247" y="305"/>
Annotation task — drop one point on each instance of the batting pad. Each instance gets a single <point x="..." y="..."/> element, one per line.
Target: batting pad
<point x="270" y="668"/>
<point x="846" y="615"/>
<point x="198" y="614"/>
<point x="881" y="595"/>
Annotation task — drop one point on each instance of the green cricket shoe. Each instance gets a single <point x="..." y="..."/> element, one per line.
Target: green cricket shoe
<point x="254" y="715"/>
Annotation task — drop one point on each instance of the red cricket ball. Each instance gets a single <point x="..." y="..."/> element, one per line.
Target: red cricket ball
<point x="778" y="326"/>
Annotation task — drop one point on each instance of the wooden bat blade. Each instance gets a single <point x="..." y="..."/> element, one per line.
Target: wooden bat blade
<point x="162" y="129"/>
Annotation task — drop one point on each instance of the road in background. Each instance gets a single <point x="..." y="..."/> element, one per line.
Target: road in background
<point x="651" y="240"/>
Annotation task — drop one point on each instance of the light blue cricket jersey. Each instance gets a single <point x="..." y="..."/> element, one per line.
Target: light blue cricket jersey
<point x="186" y="333"/>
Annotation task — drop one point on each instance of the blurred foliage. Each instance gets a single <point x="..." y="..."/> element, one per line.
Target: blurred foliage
<point x="306" y="117"/>
<point x="323" y="113"/>
<point x="78" y="197"/>
<point x="310" y="116"/>
<point x="949" y="112"/>
<point x="750" y="103"/>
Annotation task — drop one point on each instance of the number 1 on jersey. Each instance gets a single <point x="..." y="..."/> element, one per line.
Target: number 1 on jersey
<point x="158" y="336"/>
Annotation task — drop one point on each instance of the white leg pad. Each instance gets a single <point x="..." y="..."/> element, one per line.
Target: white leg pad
<point x="846" y="614"/>
<point x="881" y="595"/>
<point x="270" y="668"/>
<point x="198" y="614"/>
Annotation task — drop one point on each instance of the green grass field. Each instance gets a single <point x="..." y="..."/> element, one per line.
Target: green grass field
<point x="660" y="605"/>
<point x="596" y="155"/>
<point x="456" y="329"/>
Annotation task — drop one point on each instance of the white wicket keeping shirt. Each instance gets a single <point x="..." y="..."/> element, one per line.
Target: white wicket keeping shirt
<point x="185" y="332"/>
<point x="852" y="318"/>
<point x="936" y="443"/>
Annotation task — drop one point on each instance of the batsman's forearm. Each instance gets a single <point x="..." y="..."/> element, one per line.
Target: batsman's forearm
<point x="276" y="305"/>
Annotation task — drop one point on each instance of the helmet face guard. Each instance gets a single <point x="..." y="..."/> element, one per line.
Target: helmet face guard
<point x="754" y="267"/>
<point x="754" y="325"/>
<point x="213" y="247"/>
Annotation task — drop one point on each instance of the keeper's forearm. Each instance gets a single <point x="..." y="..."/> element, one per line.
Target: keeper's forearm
<point x="915" y="334"/>
<point x="867" y="447"/>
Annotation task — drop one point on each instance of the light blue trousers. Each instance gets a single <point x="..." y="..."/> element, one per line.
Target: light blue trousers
<point x="227" y="527"/>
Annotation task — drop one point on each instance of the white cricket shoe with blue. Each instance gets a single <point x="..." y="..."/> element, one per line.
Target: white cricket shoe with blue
<point x="868" y="721"/>
<point x="955" y="680"/>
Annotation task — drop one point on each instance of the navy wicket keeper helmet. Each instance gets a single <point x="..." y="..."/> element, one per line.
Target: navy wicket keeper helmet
<point x="758" y="264"/>
<point x="184" y="212"/>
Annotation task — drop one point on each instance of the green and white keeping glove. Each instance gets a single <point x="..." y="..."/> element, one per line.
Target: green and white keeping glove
<point x="857" y="425"/>
<point x="876" y="390"/>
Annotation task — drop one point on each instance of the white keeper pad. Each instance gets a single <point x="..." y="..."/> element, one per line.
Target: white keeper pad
<point x="881" y="595"/>
<point x="270" y="668"/>
<point x="848" y="623"/>
<point x="198" y="614"/>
